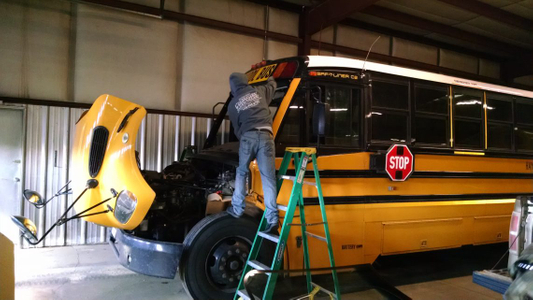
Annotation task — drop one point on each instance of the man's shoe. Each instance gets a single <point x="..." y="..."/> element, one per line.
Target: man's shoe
<point x="232" y="213"/>
<point x="271" y="228"/>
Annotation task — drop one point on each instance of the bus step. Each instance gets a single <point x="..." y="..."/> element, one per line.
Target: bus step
<point x="316" y="236"/>
<point x="268" y="236"/>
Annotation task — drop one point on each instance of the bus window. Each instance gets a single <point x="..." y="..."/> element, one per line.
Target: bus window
<point x="499" y="121"/>
<point x="468" y="125"/>
<point x="390" y="109"/>
<point x="524" y="122"/>
<point x="343" y="117"/>
<point x="290" y="131"/>
<point x="431" y="114"/>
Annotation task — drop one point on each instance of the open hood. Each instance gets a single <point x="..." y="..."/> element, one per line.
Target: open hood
<point x="104" y="150"/>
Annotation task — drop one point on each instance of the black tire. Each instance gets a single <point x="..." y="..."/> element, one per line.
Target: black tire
<point x="199" y="265"/>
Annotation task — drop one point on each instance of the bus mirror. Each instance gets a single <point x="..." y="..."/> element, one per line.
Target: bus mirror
<point x="27" y="228"/>
<point x="319" y="119"/>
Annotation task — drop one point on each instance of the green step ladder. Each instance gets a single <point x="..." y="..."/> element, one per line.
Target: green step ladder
<point x="301" y="158"/>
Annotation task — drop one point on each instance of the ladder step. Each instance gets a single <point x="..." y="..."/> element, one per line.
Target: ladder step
<point x="307" y="224"/>
<point x="330" y="293"/>
<point x="258" y="266"/>
<point x="293" y="178"/>
<point x="244" y="295"/>
<point x="316" y="236"/>
<point x="268" y="236"/>
<point x="282" y="207"/>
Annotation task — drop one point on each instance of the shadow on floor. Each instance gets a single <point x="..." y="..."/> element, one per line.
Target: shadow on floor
<point x="437" y="265"/>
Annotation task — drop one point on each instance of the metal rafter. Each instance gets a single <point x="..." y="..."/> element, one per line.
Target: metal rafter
<point x="181" y="17"/>
<point x="333" y="11"/>
<point x="421" y="39"/>
<point x="492" y="12"/>
<point x="406" y="19"/>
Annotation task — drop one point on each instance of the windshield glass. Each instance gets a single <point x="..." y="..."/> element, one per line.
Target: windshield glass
<point x="281" y="91"/>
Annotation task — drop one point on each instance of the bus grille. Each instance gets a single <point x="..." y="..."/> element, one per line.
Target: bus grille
<point x="98" y="146"/>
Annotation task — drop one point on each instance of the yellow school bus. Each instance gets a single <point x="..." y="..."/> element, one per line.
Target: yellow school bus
<point x="471" y="144"/>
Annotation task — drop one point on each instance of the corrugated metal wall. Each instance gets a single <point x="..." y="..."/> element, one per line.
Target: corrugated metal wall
<point x="49" y="135"/>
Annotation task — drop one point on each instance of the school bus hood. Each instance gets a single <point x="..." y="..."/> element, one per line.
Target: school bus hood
<point x="104" y="150"/>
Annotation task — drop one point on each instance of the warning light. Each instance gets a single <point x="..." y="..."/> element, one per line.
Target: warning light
<point x="312" y="73"/>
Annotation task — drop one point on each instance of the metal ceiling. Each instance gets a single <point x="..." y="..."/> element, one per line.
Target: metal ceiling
<point x="499" y="29"/>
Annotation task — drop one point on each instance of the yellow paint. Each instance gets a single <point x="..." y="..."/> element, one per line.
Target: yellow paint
<point x="7" y="268"/>
<point x="451" y="117"/>
<point x="469" y="153"/>
<point x="485" y="121"/>
<point x="308" y="151"/>
<point x="261" y="74"/>
<point x="393" y="228"/>
<point x="362" y="231"/>
<point x="119" y="169"/>
<point x="284" y="105"/>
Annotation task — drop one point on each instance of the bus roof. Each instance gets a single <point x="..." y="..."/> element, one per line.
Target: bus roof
<point x="316" y="61"/>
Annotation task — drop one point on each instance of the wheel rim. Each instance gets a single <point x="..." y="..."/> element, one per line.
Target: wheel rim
<point x="226" y="261"/>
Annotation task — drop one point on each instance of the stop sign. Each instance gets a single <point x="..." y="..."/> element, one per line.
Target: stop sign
<point x="399" y="162"/>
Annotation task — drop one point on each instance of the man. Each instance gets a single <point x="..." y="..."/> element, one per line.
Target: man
<point x="252" y="124"/>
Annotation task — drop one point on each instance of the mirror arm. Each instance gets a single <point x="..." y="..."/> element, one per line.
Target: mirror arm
<point x="59" y="193"/>
<point x="80" y="215"/>
<point x="45" y="234"/>
<point x="87" y="215"/>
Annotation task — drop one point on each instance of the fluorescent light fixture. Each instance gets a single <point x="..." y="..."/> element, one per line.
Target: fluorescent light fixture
<point x="469" y="102"/>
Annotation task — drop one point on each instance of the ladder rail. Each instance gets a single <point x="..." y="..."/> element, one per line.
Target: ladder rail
<point x="326" y="227"/>
<point x="307" y="261"/>
<point x="285" y="229"/>
<point x="301" y="158"/>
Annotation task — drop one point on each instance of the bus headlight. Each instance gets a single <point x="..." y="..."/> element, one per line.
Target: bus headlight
<point x="125" y="206"/>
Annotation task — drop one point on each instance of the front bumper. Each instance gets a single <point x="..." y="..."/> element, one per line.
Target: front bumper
<point x="148" y="257"/>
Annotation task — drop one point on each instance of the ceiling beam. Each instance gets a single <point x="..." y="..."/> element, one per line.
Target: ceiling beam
<point x="286" y="6"/>
<point x="406" y="19"/>
<point x="181" y="17"/>
<point x="492" y="12"/>
<point x="420" y="39"/>
<point x="331" y="12"/>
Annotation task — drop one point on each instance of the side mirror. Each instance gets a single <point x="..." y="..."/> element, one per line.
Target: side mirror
<point x="319" y="119"/>
<point x="34" y="198"/>
<point x="27" y="228"/>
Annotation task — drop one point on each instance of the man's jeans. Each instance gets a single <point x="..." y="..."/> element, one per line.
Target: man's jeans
<point x="260" y="145"/>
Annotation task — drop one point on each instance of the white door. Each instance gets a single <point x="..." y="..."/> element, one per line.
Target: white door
<point x="11" y="143"/>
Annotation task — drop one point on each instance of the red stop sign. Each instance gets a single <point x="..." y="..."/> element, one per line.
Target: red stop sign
<point x="399" y="162"/>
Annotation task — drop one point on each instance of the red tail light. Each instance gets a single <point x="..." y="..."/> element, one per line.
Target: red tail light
<point x="279" y="70"/>
<point x="285" y="70"/>
<point x="513" y="231"/>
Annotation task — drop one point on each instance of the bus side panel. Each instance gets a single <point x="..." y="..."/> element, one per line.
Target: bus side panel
<point x="362" y="232"/>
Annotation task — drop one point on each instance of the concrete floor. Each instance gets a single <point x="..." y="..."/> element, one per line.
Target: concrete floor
<point x="92" y="273"/>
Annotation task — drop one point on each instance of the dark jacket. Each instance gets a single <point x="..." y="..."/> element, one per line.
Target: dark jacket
<point x="249" y="107"/>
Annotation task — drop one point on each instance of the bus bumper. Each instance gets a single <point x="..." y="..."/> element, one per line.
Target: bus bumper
<point x="148" y="257"/>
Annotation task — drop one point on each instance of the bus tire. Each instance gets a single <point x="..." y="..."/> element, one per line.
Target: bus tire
<point x="215" y="251"/>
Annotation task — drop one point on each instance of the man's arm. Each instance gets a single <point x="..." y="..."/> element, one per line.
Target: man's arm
<point x="267" y="90"/>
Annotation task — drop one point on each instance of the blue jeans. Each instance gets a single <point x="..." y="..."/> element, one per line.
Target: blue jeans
<point x="260" y="145"/>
